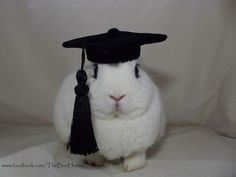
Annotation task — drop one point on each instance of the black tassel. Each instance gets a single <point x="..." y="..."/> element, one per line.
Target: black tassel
<point x="82" y="140"/>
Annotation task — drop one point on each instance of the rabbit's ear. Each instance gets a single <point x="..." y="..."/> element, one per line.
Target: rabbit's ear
<point x="95" y="70"/>
<point x="136" y="70"/>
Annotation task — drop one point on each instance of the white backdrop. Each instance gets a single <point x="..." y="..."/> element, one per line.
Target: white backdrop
<point x="195" y="68"/>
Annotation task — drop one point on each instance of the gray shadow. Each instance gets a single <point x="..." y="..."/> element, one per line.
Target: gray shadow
<point x="161" y="79"/>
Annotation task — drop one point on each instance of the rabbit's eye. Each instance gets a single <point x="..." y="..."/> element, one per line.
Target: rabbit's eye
<point x="136" y="70"/>
<point x="95" y="70"/>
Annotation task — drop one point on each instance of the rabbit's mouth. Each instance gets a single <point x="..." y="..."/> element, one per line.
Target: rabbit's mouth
<point x="117" y="112"/>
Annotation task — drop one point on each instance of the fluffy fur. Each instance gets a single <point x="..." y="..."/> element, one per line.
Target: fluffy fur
<point x="120" y="132"/>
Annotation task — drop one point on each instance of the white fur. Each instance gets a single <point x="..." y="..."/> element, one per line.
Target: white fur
<point x="135" y="161"/>
<point x="138" y="123"/>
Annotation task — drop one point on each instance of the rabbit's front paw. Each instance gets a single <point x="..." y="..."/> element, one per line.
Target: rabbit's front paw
<point x="94" y="160"/>
<point x="135" y="161"/>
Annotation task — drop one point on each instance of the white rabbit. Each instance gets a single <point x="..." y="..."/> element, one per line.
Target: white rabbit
<point x="127" y="114"/>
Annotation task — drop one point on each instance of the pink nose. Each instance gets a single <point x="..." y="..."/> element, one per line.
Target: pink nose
<point x="117" y="98"/>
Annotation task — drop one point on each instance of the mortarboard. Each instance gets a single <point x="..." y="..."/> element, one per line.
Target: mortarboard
<point x="114" y="46"/>
<point x="108" y="48"/>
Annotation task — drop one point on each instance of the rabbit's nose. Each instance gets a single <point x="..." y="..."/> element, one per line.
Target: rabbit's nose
<point x="117" y="98"/>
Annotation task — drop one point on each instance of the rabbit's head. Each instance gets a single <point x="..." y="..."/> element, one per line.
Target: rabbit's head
<point x="121" y="90"/>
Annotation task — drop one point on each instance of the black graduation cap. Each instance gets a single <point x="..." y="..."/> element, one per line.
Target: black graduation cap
<point x="112" y="47"/>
